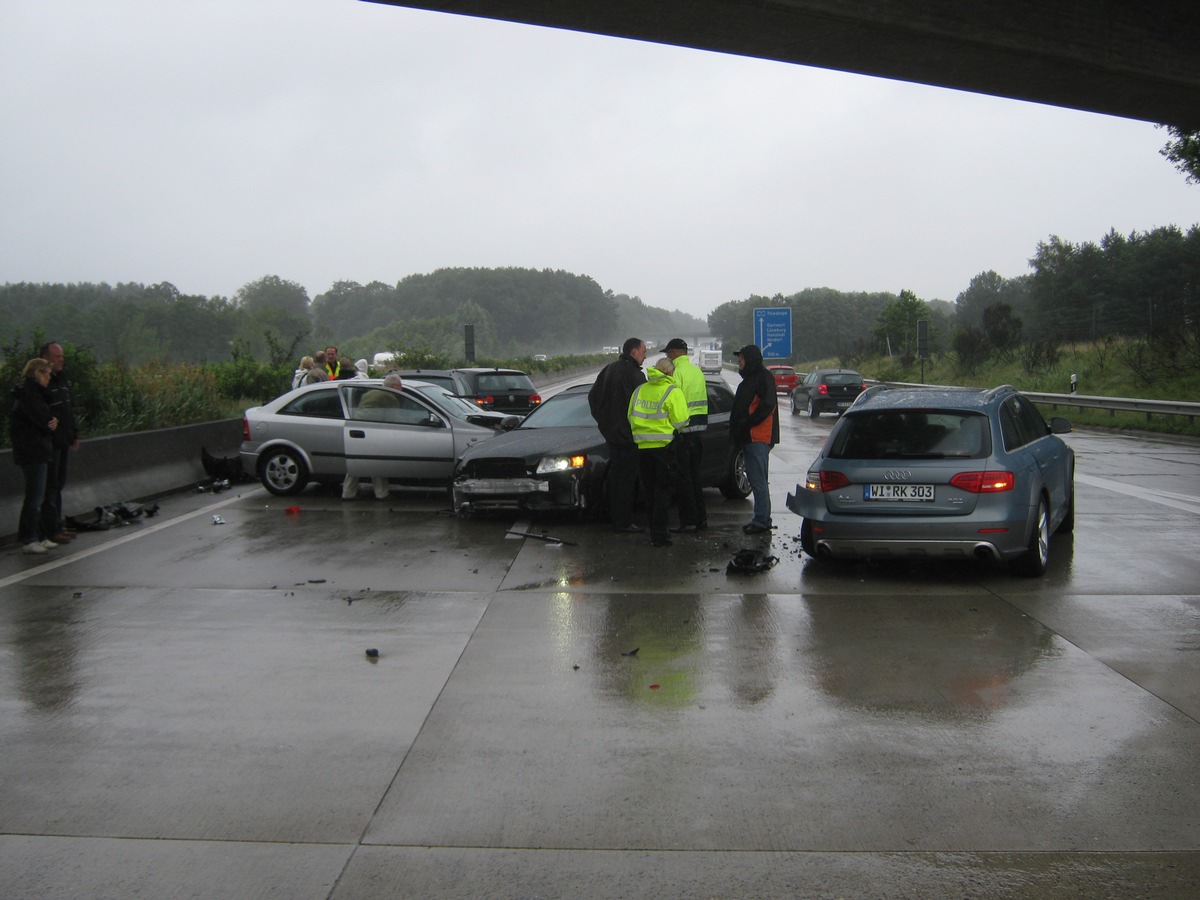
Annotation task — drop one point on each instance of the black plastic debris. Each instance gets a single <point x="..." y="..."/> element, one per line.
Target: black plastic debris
<point x="225" y="469"/>
<point x="750" y="562"/>
<point x="106" y="517"/>
<point x="548" y="538"/>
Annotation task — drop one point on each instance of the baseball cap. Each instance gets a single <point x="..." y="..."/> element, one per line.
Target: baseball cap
<point x="676" y="344"/>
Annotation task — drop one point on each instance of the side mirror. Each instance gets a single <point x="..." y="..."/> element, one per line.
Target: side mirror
<point x="1059" y="425"/>
<point x="508" y="423"/>
<point x="434" y="422"/>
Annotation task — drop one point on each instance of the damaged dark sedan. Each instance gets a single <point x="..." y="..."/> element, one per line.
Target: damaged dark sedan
<point x="556" y="460"/>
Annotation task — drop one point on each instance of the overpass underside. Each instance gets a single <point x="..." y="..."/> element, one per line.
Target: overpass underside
<point x="1135" y="60"/>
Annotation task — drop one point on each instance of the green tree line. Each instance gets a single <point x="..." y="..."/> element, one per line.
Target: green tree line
<point x="1144" y="287"/>
<point x="513" y="311"/>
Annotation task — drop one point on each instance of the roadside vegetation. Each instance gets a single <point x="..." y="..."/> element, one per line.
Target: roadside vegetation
<point x="116" y="398"/>
<point x="1122" y="313"/>
<point x="1133" y="368"/>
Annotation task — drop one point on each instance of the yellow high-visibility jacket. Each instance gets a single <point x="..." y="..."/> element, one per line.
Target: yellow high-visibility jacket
<point x="690" y="380"/>
<point x="657" y="410"/>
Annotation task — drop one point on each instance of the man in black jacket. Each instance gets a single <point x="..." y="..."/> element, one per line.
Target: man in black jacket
<point x="754" y="427"/>
<point x="609" y="402"/>
<point x="65" y="440"/>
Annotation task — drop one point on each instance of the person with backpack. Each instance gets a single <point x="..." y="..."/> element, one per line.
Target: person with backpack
<point x="301" y="373"/>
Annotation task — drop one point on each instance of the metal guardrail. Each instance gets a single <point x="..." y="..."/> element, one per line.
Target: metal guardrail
<point x="1118" y="404"/>
<point x="1086" y="401"/>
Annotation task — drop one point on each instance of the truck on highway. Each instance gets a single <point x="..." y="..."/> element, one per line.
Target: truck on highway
<point x="708" y="361"/>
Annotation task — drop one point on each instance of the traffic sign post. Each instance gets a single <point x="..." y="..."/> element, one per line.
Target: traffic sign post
<point x="773" y="331"/>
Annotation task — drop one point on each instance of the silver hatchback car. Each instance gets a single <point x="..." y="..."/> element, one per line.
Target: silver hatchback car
<point x="327" y="430"/>
<point x="940" y="473"/>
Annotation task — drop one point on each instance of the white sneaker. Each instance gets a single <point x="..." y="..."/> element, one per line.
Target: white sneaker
<point x="33" y="548"/>
<point x="49" y="545"/>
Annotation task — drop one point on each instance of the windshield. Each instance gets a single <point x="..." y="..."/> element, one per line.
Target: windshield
<point x="569" y="410"/>
<point x="842" y="378"/>
<point x="499" y="382"/>
<point x="911" y="434"/>
<point x="454" y="405"/>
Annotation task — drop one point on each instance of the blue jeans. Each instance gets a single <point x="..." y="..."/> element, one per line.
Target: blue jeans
<point x="757" y="459"/>
<point x="29" y="528"/>
<point x="56" y="479"/>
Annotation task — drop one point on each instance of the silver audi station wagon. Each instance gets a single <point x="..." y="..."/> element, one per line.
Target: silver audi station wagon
<point x="940" y="473"/>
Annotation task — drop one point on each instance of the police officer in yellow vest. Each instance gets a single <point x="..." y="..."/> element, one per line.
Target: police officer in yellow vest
<point x="657" y="412"/>
<point x="688" y="448"/>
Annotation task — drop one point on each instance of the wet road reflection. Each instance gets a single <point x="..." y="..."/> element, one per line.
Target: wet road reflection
<point x="930" y="725"/>
<point x="44" y="631"/>
<point x="941" y="657"/>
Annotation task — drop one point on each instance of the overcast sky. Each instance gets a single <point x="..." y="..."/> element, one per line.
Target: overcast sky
<point x="211" y="143"/>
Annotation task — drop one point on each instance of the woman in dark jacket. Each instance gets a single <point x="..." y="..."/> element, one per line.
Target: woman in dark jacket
<point x="32" y="427"/>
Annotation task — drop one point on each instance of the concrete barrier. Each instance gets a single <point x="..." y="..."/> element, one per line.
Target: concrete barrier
<point x="134" y="467"/>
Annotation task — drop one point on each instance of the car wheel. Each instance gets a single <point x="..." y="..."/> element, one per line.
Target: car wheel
<point x="1067" y="525"/>
<point x="813" y="409"/>
<point x="737" y="484"/>
<point x="283" y="473"/>
<point x="1032" y="563"/>
<point x="795" y="408"/>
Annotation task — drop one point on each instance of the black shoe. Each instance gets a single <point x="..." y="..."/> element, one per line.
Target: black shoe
<point x="663" y="543"/>
<point x="685" y="529"/>
<point x="755" y="529"/>
<point x="630" y="529"/>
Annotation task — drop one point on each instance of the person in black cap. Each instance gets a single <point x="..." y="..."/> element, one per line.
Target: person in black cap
<point x="754" y="428"/>
<point x="687" y="447"/>
<point x="609" y="402"/>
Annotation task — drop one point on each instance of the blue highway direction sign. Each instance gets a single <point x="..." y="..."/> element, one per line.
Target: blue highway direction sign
<point x="773" y="331"/>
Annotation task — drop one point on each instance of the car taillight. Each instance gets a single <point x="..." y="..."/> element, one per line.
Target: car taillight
<point x="984" y="482"/>
<point x="245" y="429"/>
<point x="823" y="389"/>
<point x="826" y="481"/>
<point x="535" y="399"/>
<point x="485" y="401"/>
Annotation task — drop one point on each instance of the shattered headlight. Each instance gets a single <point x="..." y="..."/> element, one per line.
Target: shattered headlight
<point x="548" y="465"/>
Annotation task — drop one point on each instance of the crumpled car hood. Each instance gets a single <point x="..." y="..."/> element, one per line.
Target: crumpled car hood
<point x="533" y="443"/>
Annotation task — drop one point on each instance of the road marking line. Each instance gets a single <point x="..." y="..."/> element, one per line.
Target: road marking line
<point x="1166" y="498"/>
<point x="108" y="545"/>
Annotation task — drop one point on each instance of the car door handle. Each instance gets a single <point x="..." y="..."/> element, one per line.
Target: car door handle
<point x="354" y="432"/>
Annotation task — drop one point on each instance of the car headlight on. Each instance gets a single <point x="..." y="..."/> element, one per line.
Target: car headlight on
<point x="547" y="465"/>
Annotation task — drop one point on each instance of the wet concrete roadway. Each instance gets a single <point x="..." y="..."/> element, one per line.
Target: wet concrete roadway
<point x="189" y="709"/>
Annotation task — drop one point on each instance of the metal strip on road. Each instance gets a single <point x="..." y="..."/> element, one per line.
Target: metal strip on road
<point x="60" y="561"/>
<point x="1166" y="498"/>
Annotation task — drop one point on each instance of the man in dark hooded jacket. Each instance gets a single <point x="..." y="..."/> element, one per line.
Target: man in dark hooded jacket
<point x="609" y="402"/>
<point x="66" y="440"/>
<point x="754" y="428"/>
